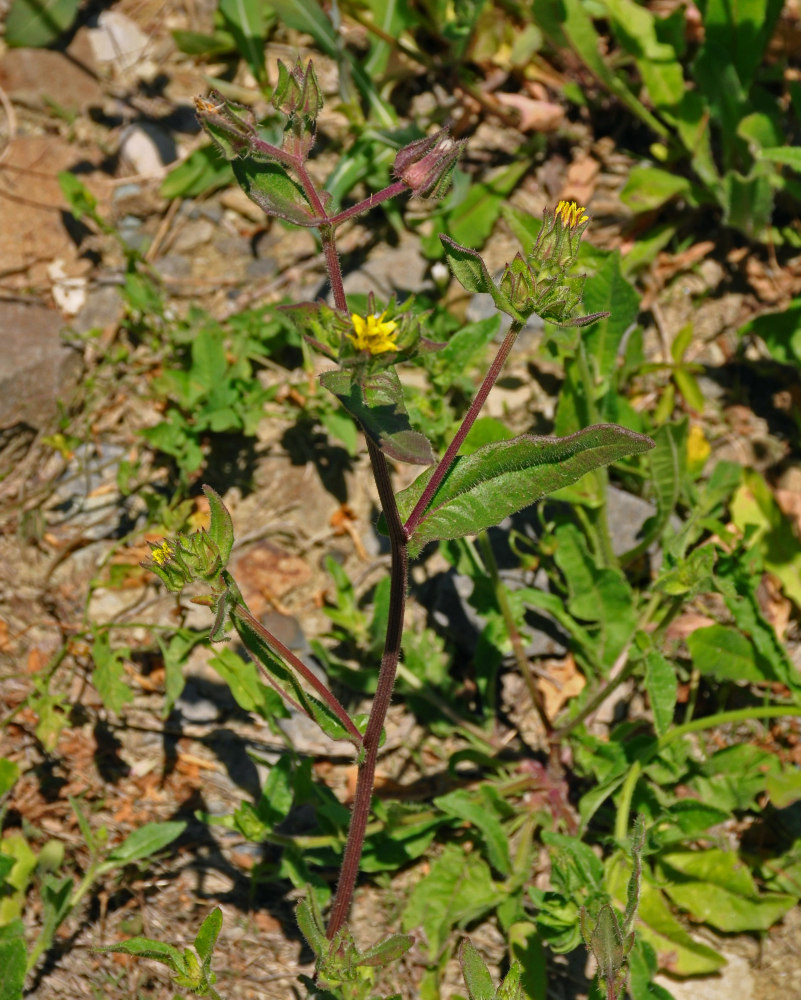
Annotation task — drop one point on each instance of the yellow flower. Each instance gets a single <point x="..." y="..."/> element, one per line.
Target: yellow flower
<point x="572" y="215"/>
<point x="162" y="554"/>
<point x="373" y="334"/>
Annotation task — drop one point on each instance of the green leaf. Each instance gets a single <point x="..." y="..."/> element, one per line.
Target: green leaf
<point x="609" y="292"/>
<point x="37" y="23"/>
<point x="471" y="272"/>
<point x="286" y="679"/>
<point x="12" y="960"/>
<point x="662" y="687"/>
<point x="649" y="188"/>
<point x="12" y="898"/>
<point x="481" y="489"/>
<point x="679" y="953"/>
<point x="221" y="527"/>
<point x="716" y="887"/>
<point x="143" y="947"/>
<point x="476" y="974"/>
<point x="636" y="29"/>
<point x="790" y="156"/>
<point x="9" y="772"/>
<point x="724" y="653"/>
<point x="246" y="22"/>
<point x="457" y="890"/>
<point x="56" y="894"/>
<point x="386" y="951"/>
<point x="784" y="788"/>
<point x="377" y="403"/>
<point x="740" y="32"/>
<point x="195" y="43"/>
<point x="273" y="190"/>
<point x="465" y="806"/>
<point x="246" y="686"/>
<point x="142" y="843"/>
<point x="109" y="672"/>
<point x="207" y="935"/>
<point x="203" y="171"/>
<point x="474" y="218"/>
<point x="596" y="594"/>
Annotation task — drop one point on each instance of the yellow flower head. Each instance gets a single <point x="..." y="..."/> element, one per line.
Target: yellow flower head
<point x="373" y="334"/>
<point x="162" y="554"/>
<point x="571" y="214"/>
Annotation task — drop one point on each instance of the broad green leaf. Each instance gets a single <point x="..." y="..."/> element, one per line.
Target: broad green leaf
<point x="716" y="887"/>
<point x="635" y="28"/>
<point x="753" y="506"/>
<point x="781" y="332"/>
<point x="246" y="686"/>
<point x="109" y="673"/>
<point x="724" y="653"/>
<point x="465" y="806"/>
<point x="790" y="156"/>
<point x="195" y="43"/>
<point x="648" y="188"/>
<point x="735" y="777"/>
<point x="741" y="31"/>
<point x="596" y="594"/>
<point x="484" y="431"/>
<point x="747" y="203"/>
<point x="246" y="21"/>
<point x="207" y="935"/>
<point x="221" y="527"/>
<point x="784" y="788"/>
<point x="9" y="772"/>
<point x="16" y="847"/>
<point x="174" y="654"/>
<point x="310" y="924"/>
<point x="481" y="489"/>
<point x="679" y="953"/>
<point x="662" y="687"/>
<point x="56" y="894"/>
<point x="203" y="171"/>
<point x="461" y="348"/>
<point x="457" y="890"/>
<point x="476" y="974"/>
<point x="377" y="403"/>
<point x="142" y="843"/>
<point x="13" y="960"/>
<point x="274" y="191"/>
<point x="37" y="23"/>
<point x="474" y="219"/>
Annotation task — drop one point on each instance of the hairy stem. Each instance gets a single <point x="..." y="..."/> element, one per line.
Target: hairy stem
<point x="383" y="694"/>
<point x="470" y="418"/>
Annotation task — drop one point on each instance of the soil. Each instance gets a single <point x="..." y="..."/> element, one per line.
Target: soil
<point x="119" y="125"/>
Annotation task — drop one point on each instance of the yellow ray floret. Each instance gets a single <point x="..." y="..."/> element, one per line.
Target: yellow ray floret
<point x="571" y="214"/>
<point x="162" y="554"/>
<point x="373" y="334"/>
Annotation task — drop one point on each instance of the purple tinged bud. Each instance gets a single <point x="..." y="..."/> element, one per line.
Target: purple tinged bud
<point x="427" y="164"/>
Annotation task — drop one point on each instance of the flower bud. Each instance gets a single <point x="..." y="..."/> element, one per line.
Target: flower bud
<point x="298" y="92"/>
<point x="229" y="125"/>
<point x="427" y="164"/>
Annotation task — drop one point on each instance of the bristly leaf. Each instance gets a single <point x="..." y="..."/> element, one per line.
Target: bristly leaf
<point x="476" y="974"/>
<point x="207" y="935"/>
<point x="471" y="272"/>
<point x="221" y="527"/>
<point x="377" y="403"/>
<point x="481" y="489"/>
<point x="273" y="190"/>
<point x="386" y="951"/>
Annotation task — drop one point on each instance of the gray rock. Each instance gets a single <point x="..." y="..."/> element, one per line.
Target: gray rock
<point x="103" y="308"/>
<point x="389" y="270"/>
<point x="36" y="368"/>
<point x="146" y="149"/>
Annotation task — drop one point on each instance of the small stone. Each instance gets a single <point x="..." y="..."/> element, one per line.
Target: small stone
<point x="36" y="368"/>
<point x="146" y="150"/>
<point x="103" y="309"/>
<point x="117" y="41"/>
<point x="193" y="235"/>
<point x="174" y="265"/>
<point x="237" y="201"/>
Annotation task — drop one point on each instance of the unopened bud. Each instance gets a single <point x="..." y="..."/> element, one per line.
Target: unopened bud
<point x="298" y="92"/>
<point x="427" y="164"/>
<point x="228" y="124"/>
<point x="517" y="284"/>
